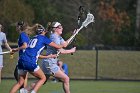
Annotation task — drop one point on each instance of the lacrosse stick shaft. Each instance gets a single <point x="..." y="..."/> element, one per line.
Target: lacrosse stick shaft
<point x="1" y="53"/>
<point x="71" y="38"/>
<point x="58" y="53"/>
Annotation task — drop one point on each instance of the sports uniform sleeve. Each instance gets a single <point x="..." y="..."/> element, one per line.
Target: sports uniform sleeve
<point x="4" y="38"/>
<point x="61" y="40"/>
<point x="24" y="38"/>
<point x="57" y="39"/>
<point x="54" y="38"/>
<point x="47" y="41"/>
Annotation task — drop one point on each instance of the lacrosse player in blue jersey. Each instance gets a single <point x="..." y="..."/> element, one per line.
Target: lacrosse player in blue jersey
<point x="23" y="40"/>
<point x="28" y="60"/>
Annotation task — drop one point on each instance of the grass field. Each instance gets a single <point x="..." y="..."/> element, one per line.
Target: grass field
<point x="82" y="87"/>
<point x="112" y="64"/>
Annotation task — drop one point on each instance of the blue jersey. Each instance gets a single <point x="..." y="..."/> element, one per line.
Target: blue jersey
<point x="29" y="58"/>
<point x="23" y="38"/>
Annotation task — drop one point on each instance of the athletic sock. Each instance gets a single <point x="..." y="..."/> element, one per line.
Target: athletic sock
<point x="33" y="91"/>
<point x="23" y="90"/>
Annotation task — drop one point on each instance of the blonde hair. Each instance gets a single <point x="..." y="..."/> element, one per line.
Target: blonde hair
<point x="0" y="27"/>
<point x="32" y="29"/>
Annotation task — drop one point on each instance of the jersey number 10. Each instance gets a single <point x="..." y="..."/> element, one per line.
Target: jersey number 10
<point x="32" y="43"/>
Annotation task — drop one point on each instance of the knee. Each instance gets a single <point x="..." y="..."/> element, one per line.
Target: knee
<point x="21" y="83"/>
<point x="66" y="79"/>
<point x="44" y="78"/>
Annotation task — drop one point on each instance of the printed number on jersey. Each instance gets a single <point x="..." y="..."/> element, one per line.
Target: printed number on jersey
<point x="32" y="43"/>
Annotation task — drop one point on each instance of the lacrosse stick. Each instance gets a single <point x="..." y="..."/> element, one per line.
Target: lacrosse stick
<point x="88" y="20"/>
<point x="7" y="52"/>
<point x="2" y="53"/>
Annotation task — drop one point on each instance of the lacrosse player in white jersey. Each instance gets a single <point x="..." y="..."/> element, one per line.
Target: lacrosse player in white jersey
<point x="50" y="65"/>
<point x="3" y="40"/>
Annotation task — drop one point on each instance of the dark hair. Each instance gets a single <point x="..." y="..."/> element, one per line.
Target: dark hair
<point x="21" y="25"/>
<point x="40" y="29"/>
<point x="49" y="26"/>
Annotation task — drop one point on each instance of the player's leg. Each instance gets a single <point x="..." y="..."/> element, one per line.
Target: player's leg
<point x="0" y="75"/>
<point x="23" y="87"/>
<point x="39" y="74"/>
<point x="60" y="64"/>
<point x="45" y="70"/>
<point x="22" y="76"/>
<point x="26" y="80"/>
<point x="30" y="87"/>
<point x="1" y="65"/>
<point x="65" y="79"/>
<point x="16" y="75"/>
<point x="47" y="78"/>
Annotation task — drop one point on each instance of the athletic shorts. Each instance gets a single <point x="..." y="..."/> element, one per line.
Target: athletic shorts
<point x="49" y="68"/>
<point x="25" y="66"/>
<point x="24" y="72"/>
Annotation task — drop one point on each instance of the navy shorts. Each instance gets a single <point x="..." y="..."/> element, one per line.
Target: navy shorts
<point x="27" y="65"/>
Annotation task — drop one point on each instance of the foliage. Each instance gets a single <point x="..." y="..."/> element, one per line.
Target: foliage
<point x="13" y="34"/>
<point x="13" y="11"/>
<point x="107" y="11"/>
<point x="114" y="20"/>
<point x="116" y="23"/>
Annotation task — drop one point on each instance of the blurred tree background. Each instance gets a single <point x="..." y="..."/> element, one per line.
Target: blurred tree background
<point x="115" y="20"/>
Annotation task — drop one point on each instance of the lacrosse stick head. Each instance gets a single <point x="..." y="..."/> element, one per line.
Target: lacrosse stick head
<point x="88" y="20"/>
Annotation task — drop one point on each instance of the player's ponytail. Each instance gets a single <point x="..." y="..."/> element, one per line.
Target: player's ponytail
<point x="32" y="29"/>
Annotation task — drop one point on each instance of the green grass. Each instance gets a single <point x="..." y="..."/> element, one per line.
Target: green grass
<point x="82" y="87"/>
<point x="112" y="64"/>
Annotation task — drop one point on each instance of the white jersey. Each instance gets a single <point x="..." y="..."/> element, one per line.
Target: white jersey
<point x="56" y="39"/>
<point x="49" y="65"/>
<point x="2" y="40"/>
<point x="51" y="50"/>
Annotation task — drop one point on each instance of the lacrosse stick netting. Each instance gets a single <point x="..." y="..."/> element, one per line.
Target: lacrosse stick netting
<point x="88" y="20"/>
